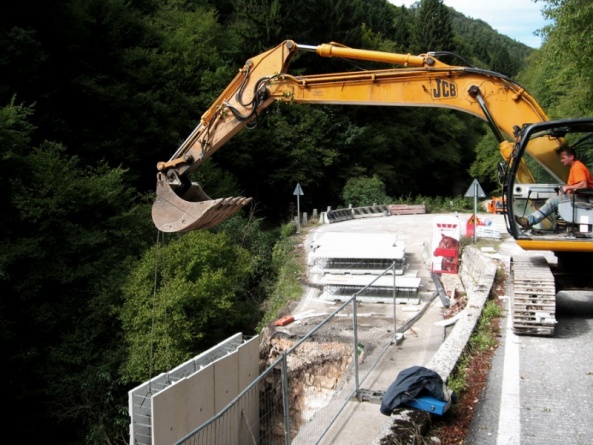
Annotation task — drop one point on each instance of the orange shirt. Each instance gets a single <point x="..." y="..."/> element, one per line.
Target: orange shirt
<point x="579" y="172"/>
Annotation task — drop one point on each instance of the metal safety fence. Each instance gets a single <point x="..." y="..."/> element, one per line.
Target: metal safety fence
<point x="306" y="382"/>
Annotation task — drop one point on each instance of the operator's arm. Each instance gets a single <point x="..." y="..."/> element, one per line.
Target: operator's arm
<point x="579" y="185"/>
<point x="577" y="178"/>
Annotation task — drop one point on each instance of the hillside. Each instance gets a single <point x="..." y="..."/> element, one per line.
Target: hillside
<point x="494" y="50"/>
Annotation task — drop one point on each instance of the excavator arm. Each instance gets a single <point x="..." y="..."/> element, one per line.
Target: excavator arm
<point x="422" y="81"/>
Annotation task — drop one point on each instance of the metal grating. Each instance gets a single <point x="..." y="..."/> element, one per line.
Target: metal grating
<point x="534" y="296"/>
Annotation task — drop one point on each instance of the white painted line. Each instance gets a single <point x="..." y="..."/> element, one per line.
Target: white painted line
<point x="509" y="421"/>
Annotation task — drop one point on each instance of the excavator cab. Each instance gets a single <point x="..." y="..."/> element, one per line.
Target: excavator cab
<point x="574" y="218"/>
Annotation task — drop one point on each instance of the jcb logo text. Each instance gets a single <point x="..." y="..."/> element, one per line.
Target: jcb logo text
<point x="444" y="89"/>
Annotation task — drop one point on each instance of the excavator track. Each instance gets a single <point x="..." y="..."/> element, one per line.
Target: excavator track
<point x="533" y="302"/>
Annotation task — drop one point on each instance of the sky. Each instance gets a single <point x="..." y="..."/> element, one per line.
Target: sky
<point x="517" y="19"/>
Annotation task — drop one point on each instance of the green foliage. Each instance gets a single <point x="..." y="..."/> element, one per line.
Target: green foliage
<point x="483" y="339"/>
<point x="438" y="204"/>
<point x="299" y="144"/>
<point x="182" y="298"/>
<point x="15" y="129"/>
<point x="484" y="168"/>
<point x="364" y="191"/>
<point x="485" y="336"/>
<point x="290" y="270"/>
<point x="69" y="232"/>
<point x="569" y="38"/>
<point x="288" y="230"/>
<point x="433" y="30"/>
<point x="502" y="62"/>
<point x="559" y="75"/>
<point x="457" y="381"/>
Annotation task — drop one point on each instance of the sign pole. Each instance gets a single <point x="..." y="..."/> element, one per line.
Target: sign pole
<point x="475" y="210"/>
<point x="298" y="191"/>
<point x="298" y="214"/>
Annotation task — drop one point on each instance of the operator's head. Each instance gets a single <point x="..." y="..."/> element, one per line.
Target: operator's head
<point x="567" y="155"/>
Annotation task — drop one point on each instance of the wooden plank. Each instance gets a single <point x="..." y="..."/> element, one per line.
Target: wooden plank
<point x="406" y="209"/>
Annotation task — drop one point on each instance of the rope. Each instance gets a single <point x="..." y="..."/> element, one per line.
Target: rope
<point x="159" y="259"/>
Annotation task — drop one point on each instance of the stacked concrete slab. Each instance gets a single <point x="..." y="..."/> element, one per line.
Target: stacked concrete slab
<point x="347" y="263"/>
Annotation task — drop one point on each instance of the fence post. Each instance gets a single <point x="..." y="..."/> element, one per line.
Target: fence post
<point x="285" y="403"/>
<point x="394" y="301"/>
<point x="355" y="332"/>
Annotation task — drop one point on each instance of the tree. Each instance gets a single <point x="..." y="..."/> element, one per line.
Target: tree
<point x="485" y="167"/>
<point x="401" y="35"/>
<point x="570" y="34"/>
<point x="182" y="299"/>
<point x="502" y="62"/>
<point x="70" y="230"/>
<point x="558" y="74"/>
<point x="364" y="191"/>
<point x="432" y="30"/>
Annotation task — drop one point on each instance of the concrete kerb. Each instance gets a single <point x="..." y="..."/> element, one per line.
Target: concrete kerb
<point x="477" y="273"/>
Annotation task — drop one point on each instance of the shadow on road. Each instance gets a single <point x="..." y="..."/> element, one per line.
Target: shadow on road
<point x="573" y="310"/>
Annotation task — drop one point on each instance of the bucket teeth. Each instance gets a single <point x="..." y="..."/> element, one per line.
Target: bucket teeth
<point x="172" y="213"/>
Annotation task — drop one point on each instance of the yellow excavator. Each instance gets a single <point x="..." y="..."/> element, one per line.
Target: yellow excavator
<point x="527" y="138"/>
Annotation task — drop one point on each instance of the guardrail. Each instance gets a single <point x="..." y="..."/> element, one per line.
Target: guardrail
<point x="338" y="215"/>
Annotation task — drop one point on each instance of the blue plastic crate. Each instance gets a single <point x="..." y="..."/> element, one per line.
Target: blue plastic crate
<point x="430" y="404"/>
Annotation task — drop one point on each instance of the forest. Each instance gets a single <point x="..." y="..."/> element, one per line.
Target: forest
<point x="93" y="93"/>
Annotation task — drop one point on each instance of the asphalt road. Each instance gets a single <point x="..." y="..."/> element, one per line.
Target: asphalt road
<point x="540" y="389"/>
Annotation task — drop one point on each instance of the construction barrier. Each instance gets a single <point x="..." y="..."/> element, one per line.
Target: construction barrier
<point x="406" y="209"/>
<point x="469" y="226"/>
<point x="445" y="242"/>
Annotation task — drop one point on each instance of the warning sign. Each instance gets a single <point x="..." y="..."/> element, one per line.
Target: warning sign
<point x="445" y="245"/>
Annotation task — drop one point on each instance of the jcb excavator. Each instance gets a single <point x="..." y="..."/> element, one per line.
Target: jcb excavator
<point x="527" y="138"/>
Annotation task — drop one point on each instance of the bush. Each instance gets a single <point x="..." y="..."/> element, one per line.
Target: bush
<point x="363" y="191"/>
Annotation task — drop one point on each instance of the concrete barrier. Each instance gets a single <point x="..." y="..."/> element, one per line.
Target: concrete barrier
<point x="356" y="212"/>
<point x="477" y="274"/>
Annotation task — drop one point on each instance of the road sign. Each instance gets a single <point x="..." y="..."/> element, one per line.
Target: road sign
<point x="298" y="191"/>
<point x="475" y="189"/>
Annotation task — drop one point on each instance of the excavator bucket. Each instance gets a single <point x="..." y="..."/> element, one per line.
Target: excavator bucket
<point x="195" y="211"/>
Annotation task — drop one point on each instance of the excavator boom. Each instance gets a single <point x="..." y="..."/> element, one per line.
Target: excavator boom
<point x="408" y="80"/>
